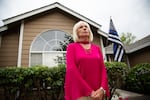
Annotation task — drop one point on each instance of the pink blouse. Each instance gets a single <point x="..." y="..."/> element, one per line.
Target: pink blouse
<point x="85" y="71"/>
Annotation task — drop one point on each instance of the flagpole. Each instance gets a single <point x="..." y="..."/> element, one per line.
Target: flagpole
<point x="117" y="44"/>
<point x="108" y="42"/>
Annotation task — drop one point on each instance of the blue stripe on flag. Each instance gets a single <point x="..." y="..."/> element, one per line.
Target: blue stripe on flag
<point x="117" y="44"/>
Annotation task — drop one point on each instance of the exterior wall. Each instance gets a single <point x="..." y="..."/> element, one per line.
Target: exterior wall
<point x="9" y="48"/>
<point x="110" y="57"/>
<point x="34" y="27"/>
<point x="140" y="56"/>
<point x="96" y="38"/>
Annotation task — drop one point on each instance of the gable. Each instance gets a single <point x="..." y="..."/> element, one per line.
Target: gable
<point x="32" y="24"/>
<point x="51" y="20"/>
<point x="49" y="8"/>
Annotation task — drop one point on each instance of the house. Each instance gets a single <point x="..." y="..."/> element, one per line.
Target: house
<point x="39" y="36"/>
<point x="138" y="52"/>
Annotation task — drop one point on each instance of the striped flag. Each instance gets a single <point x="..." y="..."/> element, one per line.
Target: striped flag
<point x="117" y="44"/>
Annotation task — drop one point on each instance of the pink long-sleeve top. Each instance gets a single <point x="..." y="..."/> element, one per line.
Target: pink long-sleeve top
<point x="85" y="71"/>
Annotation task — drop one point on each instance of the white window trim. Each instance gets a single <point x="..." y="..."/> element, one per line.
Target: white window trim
<point x="55" y="38"/>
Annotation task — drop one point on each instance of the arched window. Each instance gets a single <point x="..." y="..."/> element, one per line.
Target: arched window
<point x="49" y="48"/>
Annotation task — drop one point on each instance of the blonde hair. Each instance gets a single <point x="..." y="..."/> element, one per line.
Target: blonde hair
<point x="76" y="26"/>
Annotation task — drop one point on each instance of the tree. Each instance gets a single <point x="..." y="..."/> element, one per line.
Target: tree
<point x="127" y="38"/>
<point x="62" y="59"/>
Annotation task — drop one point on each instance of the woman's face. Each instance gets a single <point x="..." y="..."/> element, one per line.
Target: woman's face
<point x="83" y="30"/>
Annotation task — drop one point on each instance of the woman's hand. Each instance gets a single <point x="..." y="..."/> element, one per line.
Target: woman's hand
<point x="97" y="95"/>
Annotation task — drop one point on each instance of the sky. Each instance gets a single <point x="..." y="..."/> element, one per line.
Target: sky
<point x="131" y="16"/>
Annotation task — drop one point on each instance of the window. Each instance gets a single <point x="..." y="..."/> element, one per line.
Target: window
<point x="49" y="48"/>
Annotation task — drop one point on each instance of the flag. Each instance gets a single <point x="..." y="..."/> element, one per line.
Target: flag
<point x="117" y="44"/>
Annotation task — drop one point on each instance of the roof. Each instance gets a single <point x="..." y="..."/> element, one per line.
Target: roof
<point x="3" y="28"/>
<point x="49" y="7"/>
<point x="140" y="44"/>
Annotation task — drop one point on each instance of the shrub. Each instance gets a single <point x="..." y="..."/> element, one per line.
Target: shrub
<point x="28" y="79"/>
<point x="138" y="78"/>
<point x="116" y="75"/>
<point x="25" y="79"/>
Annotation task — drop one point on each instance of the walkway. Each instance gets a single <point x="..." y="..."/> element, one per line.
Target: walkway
<point x="126" y="95"/>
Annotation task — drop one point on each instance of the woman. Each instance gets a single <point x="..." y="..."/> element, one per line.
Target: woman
<point x="86" y="75"/>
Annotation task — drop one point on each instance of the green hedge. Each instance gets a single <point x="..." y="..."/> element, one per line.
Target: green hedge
<point x="138" y="78"/>
<point x="51" y="80"/>
<point x="116" y="75"/>
<point x="36" y="78"/>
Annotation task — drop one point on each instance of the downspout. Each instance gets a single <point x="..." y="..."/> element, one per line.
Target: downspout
<point x="20" y="44"/>
<point x="103" y="49"/>
<point x="128" y="62"/>
<point x="0" y="40"/>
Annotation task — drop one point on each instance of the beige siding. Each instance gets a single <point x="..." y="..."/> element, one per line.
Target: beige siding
<point x="36" y="26"/>
<point x="9" y="48"/>
<point x="33" y="27"/>
<point x="141" y="56"/>
<point x="97" y="39"/>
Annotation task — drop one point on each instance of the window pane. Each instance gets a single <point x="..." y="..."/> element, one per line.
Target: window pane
<point x="48" y="35"/>
<point x="36" y="59"/>
<point x="61" y="36"/>
<point x="49" y="59"/>
<point x="57" y="48"/>
<point x="49" y="45"/>
<point x="38" y="44"/>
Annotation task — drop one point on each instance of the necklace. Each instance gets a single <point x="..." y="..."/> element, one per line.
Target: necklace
<point x="84" y="42"/>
